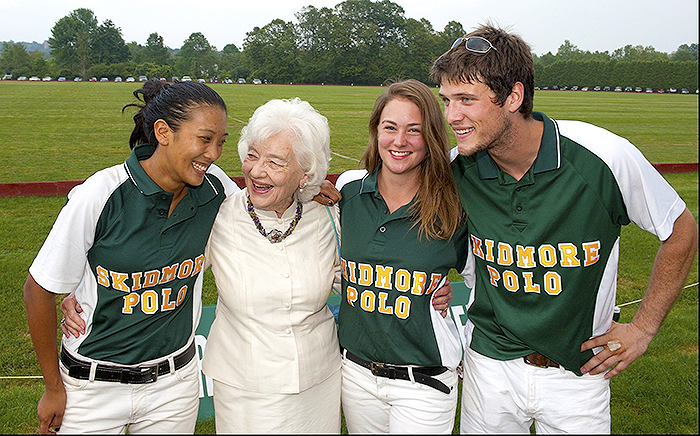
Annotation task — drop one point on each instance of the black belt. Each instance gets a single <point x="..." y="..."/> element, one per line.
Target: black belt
<point x="126" y="374"/>
<point x="421" y="374"/>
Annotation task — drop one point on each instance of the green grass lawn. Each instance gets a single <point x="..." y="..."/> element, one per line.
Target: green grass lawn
<point x="67" y="131"/>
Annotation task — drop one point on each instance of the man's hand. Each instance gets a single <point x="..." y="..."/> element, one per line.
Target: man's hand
<point x="622" y="344"/>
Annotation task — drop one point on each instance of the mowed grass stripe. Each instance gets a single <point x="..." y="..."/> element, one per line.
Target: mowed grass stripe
<point x="68" y="131"/>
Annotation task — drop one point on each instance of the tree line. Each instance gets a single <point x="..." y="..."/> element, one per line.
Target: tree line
<point x="361" y="42"/>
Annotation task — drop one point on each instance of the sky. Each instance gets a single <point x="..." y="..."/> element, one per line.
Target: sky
<point x="590" y="25"/>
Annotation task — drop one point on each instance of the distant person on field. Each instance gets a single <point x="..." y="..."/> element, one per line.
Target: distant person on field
<point x="546" y="201"/>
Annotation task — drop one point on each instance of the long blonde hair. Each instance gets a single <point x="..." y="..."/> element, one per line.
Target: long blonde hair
<point x="437" y="209"/>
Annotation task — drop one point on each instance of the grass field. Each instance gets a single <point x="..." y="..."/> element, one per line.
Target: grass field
<point x="67" y="131"/>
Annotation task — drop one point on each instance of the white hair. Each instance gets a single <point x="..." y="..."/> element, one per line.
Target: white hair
<point x="309" y="136"/>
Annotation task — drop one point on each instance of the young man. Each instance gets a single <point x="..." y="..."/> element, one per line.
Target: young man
<point x="546" y="200"/>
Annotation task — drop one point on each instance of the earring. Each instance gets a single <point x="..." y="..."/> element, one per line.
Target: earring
<point x="301" y="188"/>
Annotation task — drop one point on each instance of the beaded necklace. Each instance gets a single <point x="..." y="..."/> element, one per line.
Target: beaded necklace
<point x="274" y="236"/>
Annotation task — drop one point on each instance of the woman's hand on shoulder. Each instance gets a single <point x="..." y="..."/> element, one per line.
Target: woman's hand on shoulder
<point x="328" y="195"/>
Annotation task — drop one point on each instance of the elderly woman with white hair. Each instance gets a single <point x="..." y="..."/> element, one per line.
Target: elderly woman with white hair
<point x="272" y="350"/>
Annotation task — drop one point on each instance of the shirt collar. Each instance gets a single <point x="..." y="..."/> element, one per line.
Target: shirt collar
<point x="548" y="157"/>
<point x="369" y="183"/>
<point x="143" y="182"/>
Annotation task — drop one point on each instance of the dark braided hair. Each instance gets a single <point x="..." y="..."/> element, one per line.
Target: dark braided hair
<point x="171" y="103"/>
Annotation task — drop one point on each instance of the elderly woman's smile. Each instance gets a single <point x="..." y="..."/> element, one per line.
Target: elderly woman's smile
<point x="272" y="173"/>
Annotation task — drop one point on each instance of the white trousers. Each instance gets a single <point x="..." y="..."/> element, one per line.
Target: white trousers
<point x="315" y="410"/>
<point x="508" y="396"/>
<point x="168" y="405"/>
<point x="380" y="405"/>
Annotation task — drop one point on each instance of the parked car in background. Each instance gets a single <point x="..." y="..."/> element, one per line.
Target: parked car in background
<point x="117" y="79"/>
<point x="78" y="79"/>
<point x="607" y="88"/>
<point x="93" y="79"/>
<point x="628" y="89"/>
<point x="143" y="78"/>
<point x="673" y="90"/>
<point x="684" y="91"/>
<point x="61" y="79"/>
<point x="241" y="80"/>
<point x="130" y="79"/>
<point x="201" y="81"/>
<point x="47" y="79"/>
<point x="34" y="79"/>
<point x="256" y="82"/>
<point x="186" y="79"/>
<point x="649" y="90"/>
<point x="660" y="91"/>
<point x="104" y="79"/>
<point x="7" y="77"/>
<point x="585" y="88"/>
<point x="22" y="78"/>
<point x="175" y="79"/>
<point x="596" y="88"/>
<point x="227" y="80"/>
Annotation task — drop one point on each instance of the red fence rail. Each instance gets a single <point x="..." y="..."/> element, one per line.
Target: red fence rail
<point x="61" y="187"/>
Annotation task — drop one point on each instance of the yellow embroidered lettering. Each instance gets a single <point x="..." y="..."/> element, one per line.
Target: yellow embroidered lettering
<point x="351" y="295"/>
<point x="167" y="304"/>
<point x="419" y="280"/>
<point x="382" y="304"/>
<point x="365" y="278"/>
<point x="568" y="253"/>
<point x="384" y="274"/>
<point x="149" y="302"/>
<point x="525" y="256"/>
<point x="402" y="280"/>
<point x="102" y="276"/>
<point x="367" y="300"/>
<point x="118" y="281"/>
<point x="505" y="254"/>
<point x="591" y="252"/>
<point x="136" y="281"/>
<point x="548" y="255"/>
<point x="130" y="300"/>
<point x="185" y="270"/>
<point x="403" y="307"/>
<point x="151" y="279"/>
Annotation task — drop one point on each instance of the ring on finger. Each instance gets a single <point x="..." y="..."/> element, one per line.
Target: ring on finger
<point x="614" y="345"/>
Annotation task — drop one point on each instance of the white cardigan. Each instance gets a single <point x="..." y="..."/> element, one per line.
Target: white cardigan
<point x="273" y="332"/>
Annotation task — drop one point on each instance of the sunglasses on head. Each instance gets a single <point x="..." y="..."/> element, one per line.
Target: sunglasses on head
<point x="477" y="44"/>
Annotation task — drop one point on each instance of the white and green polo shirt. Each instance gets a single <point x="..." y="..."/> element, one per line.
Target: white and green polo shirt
<point x="388" y="278"/>
<point x="545" y="248"/>
<point x="136" y="271"/>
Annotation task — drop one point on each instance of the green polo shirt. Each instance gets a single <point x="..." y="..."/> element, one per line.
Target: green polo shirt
<point x="389" y="275"/>
<point x="545" y="249"/>
<point x="136" y="271"/>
